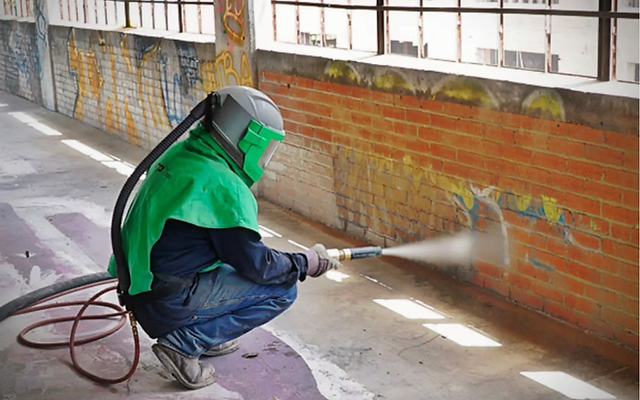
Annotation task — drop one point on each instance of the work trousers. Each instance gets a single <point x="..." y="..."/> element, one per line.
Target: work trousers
<point x="235" y="306"/>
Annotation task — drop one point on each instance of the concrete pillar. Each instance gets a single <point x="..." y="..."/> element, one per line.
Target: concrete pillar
<point x="235" y="39"/>
<point x="44" y="54"/>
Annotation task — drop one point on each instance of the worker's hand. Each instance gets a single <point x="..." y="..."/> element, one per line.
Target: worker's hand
<point x="320" y="261"/>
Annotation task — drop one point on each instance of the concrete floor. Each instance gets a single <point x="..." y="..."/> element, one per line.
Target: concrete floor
<point x="336" y="342"/>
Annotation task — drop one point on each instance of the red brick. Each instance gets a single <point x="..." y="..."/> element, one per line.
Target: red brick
<point x="583" y="272"/>
<point x="629" y="305"/>
<point x="418" y="117"/>
<point x="533" y="174"/>
<point x="586" y="169"/>
<point x="502" y="167"/>
<point x="621" y="232"/>
<point x="603" y="191"/>
<point x="457" y="110"/>
<point x="526" y="298"/>
<point x="482" y="177"/>
<point x="431" y="105"/>
<point x="491" y="149"/>
<point x="620" y="319"/>
<point x="547" y="292"/>
<point x="469" y="158"/>
<point x="563" y="146"/>
<point x="517" y="185"/>
<point x="567" y="283"/>
<point x="519" y="280"/>
<point x="448" y="153"/>
<point x="620" y="250"/>
<point x="566" y="182"/>
<point x="583" y="204"/>
<point x="499" y="134"/>
<point x="407" y="101"/>
<point x="404" y="129"/>
<point x="628" y="271"/>
<point x="515" y="153"/>
<point x="581" y="133"/>
<point x="560" y="311"/>
<point x="520" y="121"/>
<point x="581" y="304"/>
<point x="586" y="240"/>
<point x="596" y="325"/>
<point x="549" y="161"/>
<point x="532" y="140"/>
<point x="442" y="122"/>
<point x="430" y="134"/>
<point x="472" y="128"/>
<point x="603" y="154"/>
<point x="622" y="141"/>
<point x="455" y="169"/>
<point x="621" y="178"/>
<point x="601" y="295"/>
<point x="631" y="161"/>
<point x="497" y="286"/>
<point x="488" y="269"/>
<point x="551" y="260"/>
<point x="630" y="198"/>
<point x="620" y="285"/>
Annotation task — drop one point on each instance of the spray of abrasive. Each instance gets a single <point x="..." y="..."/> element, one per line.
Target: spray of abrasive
<point x="460" y="249"/>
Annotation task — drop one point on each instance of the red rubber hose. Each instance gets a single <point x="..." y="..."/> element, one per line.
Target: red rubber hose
<point x="73" y="342"/>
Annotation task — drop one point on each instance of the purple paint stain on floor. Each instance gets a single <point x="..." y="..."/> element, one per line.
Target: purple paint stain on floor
<point x="17" y="239"/>
<point x="278" y="372"/>
<point x="94" y="241"/>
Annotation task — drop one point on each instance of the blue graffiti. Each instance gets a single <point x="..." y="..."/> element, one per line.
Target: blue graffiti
<point x="536" y="263"/>
<point x="172" y="95"/>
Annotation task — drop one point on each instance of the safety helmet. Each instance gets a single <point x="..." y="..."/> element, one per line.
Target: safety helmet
<point x="247" y="127"/>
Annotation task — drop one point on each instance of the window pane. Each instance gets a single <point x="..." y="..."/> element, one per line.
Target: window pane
<point x="336" y="26"/>
<point x="404" y="32"/>
<point x="286" y="24"/>
<point x="627" y="44"/>
<point x="364" y="27"/>
<point x="575" y="39"/>
<point x="480" y="37"/>
<point x="310" y="25"/>
<point x="525" y="38"/>
<point x="441" y="31"/>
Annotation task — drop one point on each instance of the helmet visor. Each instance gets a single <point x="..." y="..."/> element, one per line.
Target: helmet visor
<point x="268" y="153"/>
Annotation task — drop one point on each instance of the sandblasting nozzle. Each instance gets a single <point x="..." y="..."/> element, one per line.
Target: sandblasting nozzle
<point x="355" y="253"/>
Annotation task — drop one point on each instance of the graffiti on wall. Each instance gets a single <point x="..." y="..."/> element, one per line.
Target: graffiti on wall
<point x="135" y="86"/>
<point x="21" y="63"/>
<point x="233" y="21"/>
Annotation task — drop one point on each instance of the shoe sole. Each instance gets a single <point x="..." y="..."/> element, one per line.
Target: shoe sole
<point x="175" y="371"/>
<point x="226" y="351"/>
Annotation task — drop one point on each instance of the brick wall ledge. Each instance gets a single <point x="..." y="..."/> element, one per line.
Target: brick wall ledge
<point x="559" y="98"/>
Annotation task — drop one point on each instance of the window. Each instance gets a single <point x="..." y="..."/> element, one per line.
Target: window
<point x="315" y="39"/>
<point x="634" y="72"/>
<point x="634" y="3"/>
<point x="404" y="48"/>
<point x="529" y="61"/>
<point x="487" y="56"/>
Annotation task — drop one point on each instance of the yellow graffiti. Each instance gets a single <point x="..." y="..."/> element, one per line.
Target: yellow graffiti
<point x="233" y="20"/>
<point x="89" y="79"/>
<point x="522" y="202"/>
<point x="217" y="74"/>
<point x="552" y="211"/>
<point x="109" y="120"/>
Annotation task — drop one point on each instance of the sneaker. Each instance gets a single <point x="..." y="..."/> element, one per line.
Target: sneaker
<point x="190" y="372"/>
<point x="224" y="348"/>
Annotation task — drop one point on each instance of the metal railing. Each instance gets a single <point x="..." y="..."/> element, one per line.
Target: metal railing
<point x="607" y="14"/>
<point x="189" y="16"/>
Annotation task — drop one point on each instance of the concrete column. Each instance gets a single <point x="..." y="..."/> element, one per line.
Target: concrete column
<point x="235" y="39"/>
<point x="44" y="54"/>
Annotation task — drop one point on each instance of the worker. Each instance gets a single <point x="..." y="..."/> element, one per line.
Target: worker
<point x="201" y="276"/>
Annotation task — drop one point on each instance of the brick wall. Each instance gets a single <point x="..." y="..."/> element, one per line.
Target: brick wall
<point x="392" y="167"/>
<point x="19" y="63"/>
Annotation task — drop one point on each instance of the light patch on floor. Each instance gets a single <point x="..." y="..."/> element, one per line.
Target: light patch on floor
<point x="378" y="282"/>
<point x="35" y="124"/>
<point x="108" y="161"/>
<point x="298" y="245"/>
<point x="566" y="384"/>
<point x="332" y="381"/>
<point x="16" y="168"/>
<point x="408" y="309"/>
<point x="336" y="275"/>
<point x="463" y="335"/>
<point x="270" y="231"/>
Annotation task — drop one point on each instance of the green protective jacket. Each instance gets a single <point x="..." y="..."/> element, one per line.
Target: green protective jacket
<point x="192" y="183"/>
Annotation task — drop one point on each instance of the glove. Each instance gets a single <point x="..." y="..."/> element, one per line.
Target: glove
<point x="319" y="261"/>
